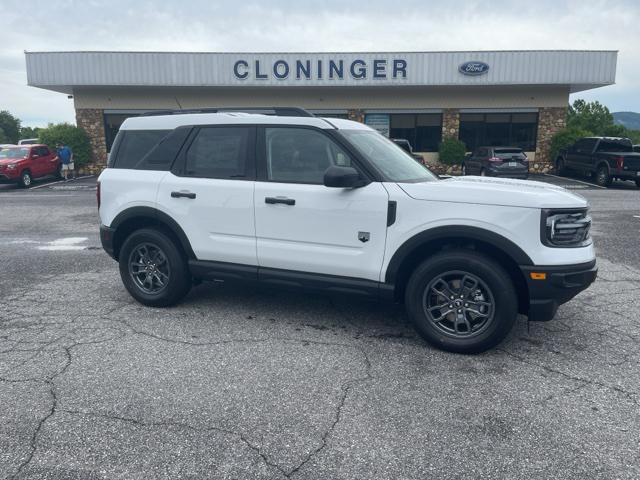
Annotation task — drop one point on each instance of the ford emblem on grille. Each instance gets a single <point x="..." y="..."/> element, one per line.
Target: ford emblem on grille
<point x="473" y="68"/>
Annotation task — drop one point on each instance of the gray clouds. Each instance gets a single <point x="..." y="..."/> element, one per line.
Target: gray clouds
<point x="331" y="25"/>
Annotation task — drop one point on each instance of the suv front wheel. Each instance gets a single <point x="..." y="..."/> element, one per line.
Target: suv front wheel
<point x="461" y="301"/>
<point x="153" y="269"/>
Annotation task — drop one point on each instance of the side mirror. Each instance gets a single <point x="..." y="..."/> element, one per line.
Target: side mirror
<point x="343" y="177"/>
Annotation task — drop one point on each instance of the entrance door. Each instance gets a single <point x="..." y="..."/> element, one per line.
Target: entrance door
<point x="301" y="225"/>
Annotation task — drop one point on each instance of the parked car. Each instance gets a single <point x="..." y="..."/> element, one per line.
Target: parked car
<point x="406" y="146"/>
<point x="336" y="207"/>
<point x="497" y="162"/>
<point x="28" y="141"/>
<point x="23" y="163"/>
<point x="603" y="158"/>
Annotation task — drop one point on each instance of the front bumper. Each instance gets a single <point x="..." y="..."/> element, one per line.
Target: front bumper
<point x="561" y="284"/>
<point x="5" y="179"/>
<point x="106" y="238"/>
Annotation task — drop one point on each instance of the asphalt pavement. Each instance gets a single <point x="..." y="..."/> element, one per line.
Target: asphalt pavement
<point x="241" y="383"/>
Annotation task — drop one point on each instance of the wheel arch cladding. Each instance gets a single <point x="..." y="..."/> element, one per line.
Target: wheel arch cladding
<point x="425" y="244"/>
<point x="136" y="218"/>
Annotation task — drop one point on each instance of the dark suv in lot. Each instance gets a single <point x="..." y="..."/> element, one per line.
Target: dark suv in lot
<point x="603" y="158"/>
<point x="497" y="162"/>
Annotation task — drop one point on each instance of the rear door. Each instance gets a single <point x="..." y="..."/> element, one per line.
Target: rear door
<point x="209" y="192"/>
<point x="49" y="165"/>
<point x="303" y="226"/>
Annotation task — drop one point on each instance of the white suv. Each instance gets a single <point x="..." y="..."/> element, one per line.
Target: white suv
<point x="331" y="205"/>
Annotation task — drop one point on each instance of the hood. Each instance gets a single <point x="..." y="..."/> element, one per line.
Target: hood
<point x="495" y="191"/>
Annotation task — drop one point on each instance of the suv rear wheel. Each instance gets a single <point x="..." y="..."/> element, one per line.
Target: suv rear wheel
<point x="461" y="301"/>
<point x="560" y="167"/>
<point x="153" y="269"/>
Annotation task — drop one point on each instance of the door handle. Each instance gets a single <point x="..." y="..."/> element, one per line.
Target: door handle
<point x="183" y="195"/>
<point x="284" y="200"/>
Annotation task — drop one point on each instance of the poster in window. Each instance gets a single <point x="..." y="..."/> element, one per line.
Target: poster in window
<point x="379" y="122"/>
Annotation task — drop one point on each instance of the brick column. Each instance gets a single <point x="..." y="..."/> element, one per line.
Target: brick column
<point x="450" y="123"/>
<point x="91" y="120"/>
<point x="356" y="115"/>
<point x="550" y="121"/>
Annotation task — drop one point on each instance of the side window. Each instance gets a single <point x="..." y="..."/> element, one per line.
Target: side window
<point x="135" y="145"/>
<point x="218" y="152"/>
<point x="482" y="152"/>
<point x="44" y="151"/>
<point x="301" y="155"/>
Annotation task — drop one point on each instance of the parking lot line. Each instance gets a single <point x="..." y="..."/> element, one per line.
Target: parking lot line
<point x="57" y="181"/>
<point x="574" y="180"/>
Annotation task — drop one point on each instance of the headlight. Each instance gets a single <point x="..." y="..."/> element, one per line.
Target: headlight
<point x="12" y="166"/>
<point x="565" y="228"/>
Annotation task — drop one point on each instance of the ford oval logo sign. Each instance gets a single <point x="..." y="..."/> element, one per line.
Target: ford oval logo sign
<point x="473" y="68"/>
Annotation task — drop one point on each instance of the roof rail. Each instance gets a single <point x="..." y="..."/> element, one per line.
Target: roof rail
<point x="277" y="111"/>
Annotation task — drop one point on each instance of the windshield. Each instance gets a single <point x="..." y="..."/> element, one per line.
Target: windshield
<point x="392" y="161"/>
<point x="13" y="153"/>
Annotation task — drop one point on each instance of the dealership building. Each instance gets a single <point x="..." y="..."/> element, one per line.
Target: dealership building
<point x="514" y="98"/>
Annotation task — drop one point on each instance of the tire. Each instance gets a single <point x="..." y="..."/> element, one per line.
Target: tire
<point x="603" y="179"/>
<point x="494" y="297"/>
<point x="561" y="169"/>
<point x="638" y="183"/>
<point x="464" y="170"/>
<point x="169" y="280"/>
<point x="26" y="180"/>
<point x="483" y="173"/>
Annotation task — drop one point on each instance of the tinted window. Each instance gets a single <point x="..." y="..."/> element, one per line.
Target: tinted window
<point x="586" y="145"/>
<point x="218" y="153"/>
<point x="423" y="131"/>
<point x="615" y="146"/>
<point x="482" y="152"/>
<point x="509" y="129"/>
<point x="134" y="145"/>
<point x="301" y="155"/>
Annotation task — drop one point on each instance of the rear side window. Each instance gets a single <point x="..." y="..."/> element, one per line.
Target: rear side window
<point x="134" y="145"/>
<point x="218" y="152"/>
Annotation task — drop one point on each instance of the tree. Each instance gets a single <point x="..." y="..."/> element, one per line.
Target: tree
<point x="10" y="125"/>
<point x="29" y="132"/>
<point x="67" y="134"/>
<point x="3" y="137"/>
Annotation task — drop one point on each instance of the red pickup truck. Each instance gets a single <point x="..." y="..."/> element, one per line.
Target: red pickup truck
<point x="23" y="163"/>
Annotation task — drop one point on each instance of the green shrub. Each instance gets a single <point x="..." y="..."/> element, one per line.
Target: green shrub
<point x="565" y="138"/>
<point x="452" y="151"/>
<point x="70" y="135"/>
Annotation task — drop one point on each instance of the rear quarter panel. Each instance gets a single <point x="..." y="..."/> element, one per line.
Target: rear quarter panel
<point x="121" y="189"/>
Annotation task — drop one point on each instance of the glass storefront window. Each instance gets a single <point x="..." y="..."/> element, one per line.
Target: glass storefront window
<point x="499" y="129"/>
<point x="423" y="131"/>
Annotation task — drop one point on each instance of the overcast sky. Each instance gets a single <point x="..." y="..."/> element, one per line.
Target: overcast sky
<point x="298" y="26"/>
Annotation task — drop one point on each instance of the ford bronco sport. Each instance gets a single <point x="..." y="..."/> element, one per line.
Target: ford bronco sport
<point x="331" y="205"/>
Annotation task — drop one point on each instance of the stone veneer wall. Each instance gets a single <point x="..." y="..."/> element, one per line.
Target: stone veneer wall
<point x="550" y="121"/>
<point x="356" y="115"/>
<point x="450" y="123"/>
<point x="91" y="120"/>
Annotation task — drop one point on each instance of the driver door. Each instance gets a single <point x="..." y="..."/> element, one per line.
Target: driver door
<point x="303" y="226"/>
